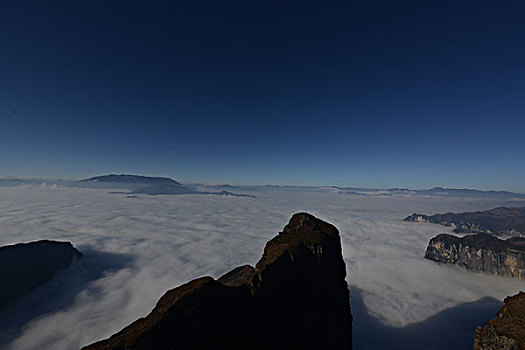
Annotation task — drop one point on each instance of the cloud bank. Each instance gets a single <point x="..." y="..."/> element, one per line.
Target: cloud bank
<point x="137" y="248"/>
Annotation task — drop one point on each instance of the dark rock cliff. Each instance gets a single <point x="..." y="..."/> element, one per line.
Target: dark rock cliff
<point x="498" y="221"/>
<point x="480" y="253"/>
<point x="295" y="298"/>
<point x="507" y="330"/>
<point x="26" y="266"/>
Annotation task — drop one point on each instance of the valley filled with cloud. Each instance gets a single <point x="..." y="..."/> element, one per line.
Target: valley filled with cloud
<point x="137" y="247"/>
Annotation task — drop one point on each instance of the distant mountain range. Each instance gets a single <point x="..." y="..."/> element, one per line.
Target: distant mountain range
<point x="139" y="184"/>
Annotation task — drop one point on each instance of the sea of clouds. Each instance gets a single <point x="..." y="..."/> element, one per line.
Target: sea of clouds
<point x="137" y="248"/>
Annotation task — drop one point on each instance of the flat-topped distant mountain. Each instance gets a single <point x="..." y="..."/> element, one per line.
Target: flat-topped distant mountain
<point x="133" y="179"/>
<point x="138" y="184"/>
<point x="497" y="221"/>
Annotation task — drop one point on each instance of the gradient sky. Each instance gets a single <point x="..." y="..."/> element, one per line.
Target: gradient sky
<point x="354" y="93"/>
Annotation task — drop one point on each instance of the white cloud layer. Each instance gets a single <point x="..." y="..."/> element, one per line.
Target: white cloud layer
<point x="137" y="248"/>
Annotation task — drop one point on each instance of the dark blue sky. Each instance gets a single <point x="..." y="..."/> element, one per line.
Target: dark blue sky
<point x="358" y="93"/>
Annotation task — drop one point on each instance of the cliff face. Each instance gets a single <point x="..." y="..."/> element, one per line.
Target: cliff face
<point x="480" y="253"/>
<point x="498" y="221"/>
<point x="296" y="297"/>
<point x="507" y="330"/>
<point x="26" y="266"/>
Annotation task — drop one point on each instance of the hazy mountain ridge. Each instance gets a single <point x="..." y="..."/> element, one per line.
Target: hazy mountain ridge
<point x="436" y="191"/>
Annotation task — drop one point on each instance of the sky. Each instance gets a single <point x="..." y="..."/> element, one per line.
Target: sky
<point x="410" y="94"/>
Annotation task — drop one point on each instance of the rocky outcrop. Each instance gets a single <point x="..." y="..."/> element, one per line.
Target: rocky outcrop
<point x="26" y="266"/>
<point x="507" y="330"/>
<point x="480" y="253"/>
<point x="498" y="221"/>
<point x="295" y="298"/>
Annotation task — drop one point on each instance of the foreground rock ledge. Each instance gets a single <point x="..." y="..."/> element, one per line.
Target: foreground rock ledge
<point x="295" y="298"/>
<point x="507" y="330"/>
